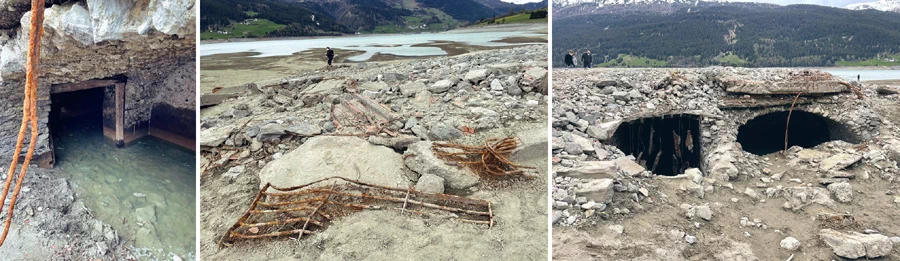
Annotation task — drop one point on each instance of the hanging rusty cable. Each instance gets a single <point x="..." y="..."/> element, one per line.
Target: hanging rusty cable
<point x="29" y="113"/>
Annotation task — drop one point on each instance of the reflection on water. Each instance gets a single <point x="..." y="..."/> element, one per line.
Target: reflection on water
<point x="145" y="191"/>
<point x="399" y="44"/>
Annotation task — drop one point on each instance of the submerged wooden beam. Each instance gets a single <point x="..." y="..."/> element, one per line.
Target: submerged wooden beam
<point x="78" y="86"/>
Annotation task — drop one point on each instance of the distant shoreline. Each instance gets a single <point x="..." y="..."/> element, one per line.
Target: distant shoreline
<point x="457" y="30"/>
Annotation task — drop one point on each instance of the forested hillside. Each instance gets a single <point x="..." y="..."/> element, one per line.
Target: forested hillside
<point x="273" y="18"/>
<point x="257" y="18"/>
<point x="733" y="34"/>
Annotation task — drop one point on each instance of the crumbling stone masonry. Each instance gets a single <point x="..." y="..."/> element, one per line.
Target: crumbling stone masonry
<point x="142" y="52"/>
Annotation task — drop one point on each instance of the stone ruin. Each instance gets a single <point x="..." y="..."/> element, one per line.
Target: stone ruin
<point x="136" y="58"/>
<point x="625" y="140"/>
<point x="705" y="118"/>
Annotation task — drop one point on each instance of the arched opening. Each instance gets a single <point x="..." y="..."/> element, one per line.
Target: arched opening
<point x="665" y="145"/>
<point x="765" y="134"/>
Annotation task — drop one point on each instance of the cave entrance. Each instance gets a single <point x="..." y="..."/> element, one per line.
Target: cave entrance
<point x="765" y="133"/>
<point x="99" y="103"/>
<point x="665" y="145"/>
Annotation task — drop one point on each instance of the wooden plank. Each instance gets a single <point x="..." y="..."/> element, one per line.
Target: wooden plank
<point x="77" y="86"/>
<point x="120" y="115"/>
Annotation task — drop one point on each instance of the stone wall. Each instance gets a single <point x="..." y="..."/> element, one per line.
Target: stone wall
<point x="11" y="97"/>
<point x="145" y="41"/>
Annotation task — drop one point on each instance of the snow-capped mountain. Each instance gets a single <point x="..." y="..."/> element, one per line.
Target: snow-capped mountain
<point x="602" y="3"/>
<point x="882" y="5"/>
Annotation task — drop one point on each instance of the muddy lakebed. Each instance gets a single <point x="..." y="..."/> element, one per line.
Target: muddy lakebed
<point x="145" y="190"/>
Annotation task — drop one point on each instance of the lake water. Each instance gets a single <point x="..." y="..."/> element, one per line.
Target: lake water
<point x="865" y="75"/>
<point x="394" y="44"/>
<point x="145" y="191"/>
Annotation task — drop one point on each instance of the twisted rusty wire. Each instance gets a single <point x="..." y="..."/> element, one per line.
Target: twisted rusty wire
<point x="308" y="208"/>
<point x="29" y="109"/>
<point x="488" y="162"/>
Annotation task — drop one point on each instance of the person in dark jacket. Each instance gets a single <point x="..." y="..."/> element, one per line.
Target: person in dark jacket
<point x="569" y="56"/>
<point x="330" y="54"/>
<point x="587" y="59"/>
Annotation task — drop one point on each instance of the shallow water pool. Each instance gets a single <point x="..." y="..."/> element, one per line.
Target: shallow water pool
<point x="145" y="191"/>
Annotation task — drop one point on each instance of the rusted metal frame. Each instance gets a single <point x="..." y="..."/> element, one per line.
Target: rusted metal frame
<point x="274" y="234"/>
<point x="282" y="222"/>
<point x="400" y="200"/>
<point x="477" y="202"/>
<point x="243" y="218"/>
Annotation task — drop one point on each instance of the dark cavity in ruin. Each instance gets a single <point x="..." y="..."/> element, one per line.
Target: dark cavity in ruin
<point x="665" y="145"/>
<point x="765" y="133"/>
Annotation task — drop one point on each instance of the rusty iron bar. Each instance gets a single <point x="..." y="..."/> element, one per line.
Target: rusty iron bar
<point x="788" y="125"/>
<point x="311" y="215"/>
<point x="327" y="202"/>
<point x="394" y="199"/>
<point x="488" y="161"/>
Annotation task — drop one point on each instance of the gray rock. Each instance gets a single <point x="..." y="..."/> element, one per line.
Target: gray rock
<point x="496" y="85"/>
<point x="573" y="148"/>
<point x="412" y="88"/>
<point x="400" y="142"/>
<point x="591" y="169"/>
<point x="270" y="130"/>
<point x="603" y="131"/>
<point x="599" y="190"/>
<point x="441" y="86"/>
<point x="842" y="191"/>
<point x="855" y="245"/>
<point x="146" y="214"/>
<point x="325" y="156"/>
<point x="304" y="129"/>
<point x="430" y="183"/>
<point x="421" y="159"/>
<point x="393" y="77"/>
<point x="629" y="167"/>
<point x="605" y="84"/>
<point x="690" y="239"/>
<point x="443" y="132"/>
<point x="790" y="243"/>
<point x="704" y="212"/>
<point x="476" y="76"/>
<point x="213" y="137"/>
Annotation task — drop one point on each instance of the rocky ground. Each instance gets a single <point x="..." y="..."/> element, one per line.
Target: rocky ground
<point x="51" y="223"/>
<point x="834" y="201"/>
<point x="376" y="122"/>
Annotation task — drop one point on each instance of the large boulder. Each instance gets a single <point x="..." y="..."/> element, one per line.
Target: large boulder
<point x="421" y="159"/>
<point x="325" y="156"/>
<point x="591" y="169"/>
<point x="856" y="245"/>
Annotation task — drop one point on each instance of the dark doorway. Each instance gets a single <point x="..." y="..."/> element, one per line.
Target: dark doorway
<point x="765" y="134"/>
<point x="665" y="145"/>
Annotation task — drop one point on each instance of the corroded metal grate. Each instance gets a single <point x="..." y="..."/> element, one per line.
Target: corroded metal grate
<point x="305" y="209"/>
<point x="488" y="162"/>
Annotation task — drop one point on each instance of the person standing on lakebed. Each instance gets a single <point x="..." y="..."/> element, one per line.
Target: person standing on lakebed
<point x="569" y="59"/>
<point x="587" y="59"/>
<point x="330" y="54"/>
